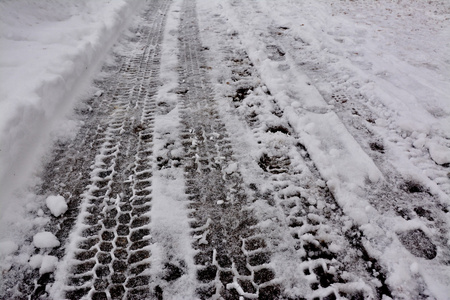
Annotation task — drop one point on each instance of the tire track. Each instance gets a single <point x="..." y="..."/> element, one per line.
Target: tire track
<point x="291" y="183"/>
<point x="70" y="163"/>
<point x="231" y="255"/>
<point x="105" y="175"/>
<point x="312" y="215"/>
<point x="113" y="252"/>
<point x="399" y="195"/>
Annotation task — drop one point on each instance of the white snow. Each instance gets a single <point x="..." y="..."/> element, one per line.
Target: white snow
<point x="45" y="240"/>
<point x="393" y="53"/>
<point x="439" y="153"/>
<point x="231" y="168"/>
<point x="45" y="263"/>
<point x="7" y="247"/>
<point x="57" y="205"/>
<point x="414" y="268"/>
<point x="48" y="264"/>
<point x="36" y="261"/>
<point x="170" y="224"/>
<point x="48" y="53"/>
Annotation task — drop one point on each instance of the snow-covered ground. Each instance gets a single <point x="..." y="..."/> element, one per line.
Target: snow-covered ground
<point x="357" y="90"/>
<point x="356" y="79"/>
<point x="49" y="51"/>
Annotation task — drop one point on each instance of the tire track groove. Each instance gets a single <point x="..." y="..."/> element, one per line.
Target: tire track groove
<point x="231" y="257"/>
<point x="112" y="252"/>
<point x="312" y="215"/>
<point x="319" y="233"/>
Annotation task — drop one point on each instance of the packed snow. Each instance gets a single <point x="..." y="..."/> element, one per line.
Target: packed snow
<point x="8" y="247"/>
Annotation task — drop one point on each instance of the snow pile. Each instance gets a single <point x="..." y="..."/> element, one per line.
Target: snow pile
<point x="57" y="205"/>
<point x="48" y="51"/>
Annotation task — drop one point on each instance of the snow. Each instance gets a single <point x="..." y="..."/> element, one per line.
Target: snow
<point x="393" y="54"/>
<point x="414" y="268"/>
<point x="8" y="247"/>
<point x="48" y="264"/>
<point x="170" y="223"/>
<point x="231" y="168"/>
<point x="48" y="53"/>
<point x="439" y="153"/>
<point x="45" y="263"/>
<point x="57" y="205"/>
<point x="387" y="53"/>
<point x="36" y="261"/>
<point x="45" y="240"/>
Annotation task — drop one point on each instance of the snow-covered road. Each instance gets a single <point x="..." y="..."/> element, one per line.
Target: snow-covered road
<point x="177" y="149"/>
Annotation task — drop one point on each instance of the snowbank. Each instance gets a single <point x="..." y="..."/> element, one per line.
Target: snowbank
<point x="48" y="51"/>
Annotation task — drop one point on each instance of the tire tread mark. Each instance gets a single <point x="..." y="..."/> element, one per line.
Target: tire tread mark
<point x="221" y="220"/>
<point x="312" y="224"/>
<point x="118" y="134"/>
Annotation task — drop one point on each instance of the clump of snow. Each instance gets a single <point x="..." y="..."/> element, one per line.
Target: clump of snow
<point x="420" y="141"/>
<point x="48" y="265"/>
<point x="98" y="93"/>
<point x="7" y="247"/>
<point x="45" y="240"/>
<point x="36" y="261"/>
<point x="440" y="154"/>
<point x="57" y="205"/>
<point x="45" y="263"/>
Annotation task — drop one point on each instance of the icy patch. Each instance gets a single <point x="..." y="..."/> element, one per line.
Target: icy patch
<point x="57" y="205"/>
<point x="45" y="240"/>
